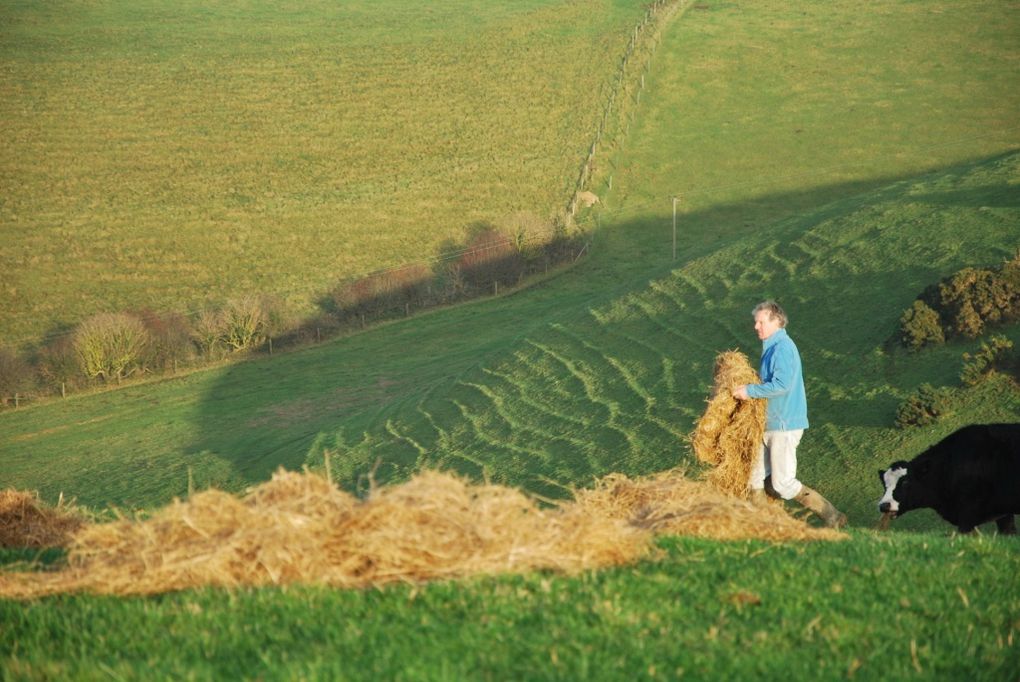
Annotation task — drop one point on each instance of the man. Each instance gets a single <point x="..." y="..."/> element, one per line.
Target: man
<point x="785" y="417"/>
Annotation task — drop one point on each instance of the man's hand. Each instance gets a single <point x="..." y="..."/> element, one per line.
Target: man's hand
<point x="740" y="393"/>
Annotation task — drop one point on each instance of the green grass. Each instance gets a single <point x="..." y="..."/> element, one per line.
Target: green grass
<point x="905" y="168"/>
<point x="555" y="385"/>
<point x="173" y="156"/>
<point x="917" y="607"/>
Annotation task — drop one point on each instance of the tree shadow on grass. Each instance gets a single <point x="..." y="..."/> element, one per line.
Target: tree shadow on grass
<point x="460" y="388"/>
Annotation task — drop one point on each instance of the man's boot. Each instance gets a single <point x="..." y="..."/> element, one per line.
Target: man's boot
<point x="758" y="497"/>
<point x="832" y="517"/>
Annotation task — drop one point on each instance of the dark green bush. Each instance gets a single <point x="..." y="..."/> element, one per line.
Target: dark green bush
<point x="920" y="326"/>
<point x="923" y="406"/>
<point x="994" y="354"/>
<point x="963" y="304"/>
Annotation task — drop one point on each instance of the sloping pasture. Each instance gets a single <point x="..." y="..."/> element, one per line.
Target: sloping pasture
<point x="173" y="156"/>
<point x="555" y="386"/>
<point x="604" y="368"/>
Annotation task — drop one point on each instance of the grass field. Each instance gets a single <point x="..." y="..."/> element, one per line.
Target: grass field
<point x="171" y="157"/>
<point x="837" y="158"/>
<point x="556" y="385"/>
<point x="704" y="610"/>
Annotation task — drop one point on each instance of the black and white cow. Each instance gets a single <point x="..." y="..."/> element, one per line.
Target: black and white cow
<point x="970" y="477"/>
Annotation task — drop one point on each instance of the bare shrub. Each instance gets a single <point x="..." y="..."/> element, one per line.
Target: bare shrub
<point x="111" y="345"/>
<point x="453" y="283"/>
<point x="279" y="320"/>
<point x="384" y="292"/>
<point x="528" y="232"/>
<point x="412" y="284"/>
<point x="245" y="323"/>
<point x="170" y="339"/>
<point x="17" y="376"/>
<point x="491" y="256"/>
<point x="58" y="363"/>
<point x="207" y="331"/>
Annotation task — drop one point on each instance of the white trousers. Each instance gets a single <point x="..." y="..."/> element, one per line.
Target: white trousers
<point x="777" y="457"/>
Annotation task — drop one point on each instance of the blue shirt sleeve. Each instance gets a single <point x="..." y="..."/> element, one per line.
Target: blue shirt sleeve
<point x="784" y="374"/>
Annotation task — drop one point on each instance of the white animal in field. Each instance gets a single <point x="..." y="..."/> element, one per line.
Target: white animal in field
<point x="587" y="198"/>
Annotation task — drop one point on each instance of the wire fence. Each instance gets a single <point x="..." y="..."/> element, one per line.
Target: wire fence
<point x="658" y="13"/>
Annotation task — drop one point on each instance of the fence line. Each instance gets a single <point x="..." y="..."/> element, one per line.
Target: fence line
<point x="656" y="16"/>
<point x="433" y="261"/>
<point x="300" y="333"/>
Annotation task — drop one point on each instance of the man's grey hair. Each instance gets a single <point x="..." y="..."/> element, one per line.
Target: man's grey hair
<point x="773" y="309"/>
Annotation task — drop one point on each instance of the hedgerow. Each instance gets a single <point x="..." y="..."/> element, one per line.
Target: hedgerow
<point x="114" y="346"/>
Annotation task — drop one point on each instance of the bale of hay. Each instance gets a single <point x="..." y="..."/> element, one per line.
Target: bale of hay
<point x="25" y="521"/>
<point x="729" y="434"/>
<point x="671" y="503"/>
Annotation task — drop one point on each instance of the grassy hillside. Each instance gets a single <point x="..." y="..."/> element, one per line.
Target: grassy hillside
<point x="835" y="156"/>
<point x="172" y="156"/>
<point x="606" y="367"/>
<point x="556" y="385"/>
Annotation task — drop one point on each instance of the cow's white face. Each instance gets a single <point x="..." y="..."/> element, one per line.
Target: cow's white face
<point x="890" y="477"/>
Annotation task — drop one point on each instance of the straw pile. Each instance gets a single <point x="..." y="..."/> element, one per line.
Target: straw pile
<point x="670" y="503"/>
<point x="26" y="522"/>
<point x="300" y="528"/>
<point x="729" y="434"/>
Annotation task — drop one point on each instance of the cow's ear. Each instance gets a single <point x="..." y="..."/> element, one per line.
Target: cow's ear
<point x="919" y="469"/>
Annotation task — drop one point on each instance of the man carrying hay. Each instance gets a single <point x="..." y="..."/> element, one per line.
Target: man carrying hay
<point x="782" y="385"/>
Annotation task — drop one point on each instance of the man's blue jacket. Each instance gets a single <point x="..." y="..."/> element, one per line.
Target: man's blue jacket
<point x="782" y="384"/>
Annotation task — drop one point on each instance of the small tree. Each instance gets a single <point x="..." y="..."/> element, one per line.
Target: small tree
<point x="244" y="323"/>
<point x="207" y="332"/>
<point x="529" y="233"/>
<point x="111" y="345"/>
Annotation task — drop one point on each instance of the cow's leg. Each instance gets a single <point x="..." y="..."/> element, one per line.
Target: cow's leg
<point x="1006" y="524"/>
